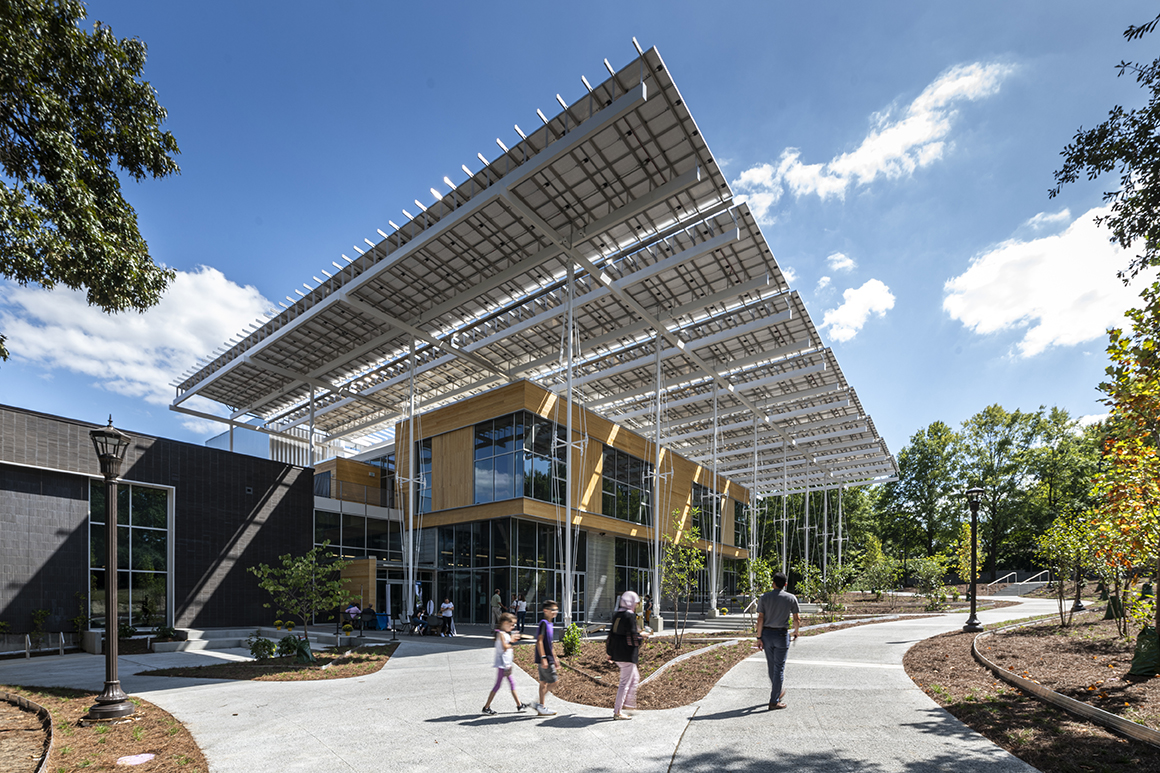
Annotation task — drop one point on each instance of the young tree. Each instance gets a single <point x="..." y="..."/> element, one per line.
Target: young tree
<point x="304" y="585"/>
<point x="962" y="555"/>
<point x="1064" y="548"/>
<point x="681" y="567"/>
<point x="72" y="106"/>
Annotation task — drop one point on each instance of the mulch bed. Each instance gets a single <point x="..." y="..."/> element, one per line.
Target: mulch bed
<point x="329" y="665"/>
<point x="150" y="730"/>
<point x="680" y="685"/>
<point x="1067" y="661"/>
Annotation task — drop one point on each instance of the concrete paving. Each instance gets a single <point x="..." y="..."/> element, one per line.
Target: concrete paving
<point x="851" y="706"/>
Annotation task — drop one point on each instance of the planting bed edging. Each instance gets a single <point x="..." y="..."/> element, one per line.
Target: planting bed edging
<point x="45" y="720"/>
<point x="1071" y="705"/>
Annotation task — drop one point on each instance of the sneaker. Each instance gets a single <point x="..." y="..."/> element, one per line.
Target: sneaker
<point x="544" y="711"/>
<point x="622" y="715"/>
<point x="489" y="711"/>
<point x="522" y="707"/>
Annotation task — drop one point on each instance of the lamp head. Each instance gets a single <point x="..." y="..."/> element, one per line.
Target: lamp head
<point x="974" y="495"/>
<point x="111" y="444"/>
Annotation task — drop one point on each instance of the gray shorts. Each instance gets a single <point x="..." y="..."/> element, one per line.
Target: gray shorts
<point x="548" y="675"/>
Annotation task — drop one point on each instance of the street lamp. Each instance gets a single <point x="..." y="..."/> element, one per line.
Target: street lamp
<point x="974" y="494"/>
<point x="111" y="444"/>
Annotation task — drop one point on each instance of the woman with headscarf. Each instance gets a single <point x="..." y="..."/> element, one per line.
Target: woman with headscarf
<point x="623" y="648"/>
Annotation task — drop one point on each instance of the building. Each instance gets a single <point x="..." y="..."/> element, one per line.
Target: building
<point x="601" y="257"/>
<point x="194" y="518"/>
<point x="596" y="287"/>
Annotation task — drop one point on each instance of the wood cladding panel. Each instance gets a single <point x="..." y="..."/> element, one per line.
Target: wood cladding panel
<point x="452" y="470"/>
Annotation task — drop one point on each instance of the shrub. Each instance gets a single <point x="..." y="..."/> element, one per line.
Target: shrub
<point x="166" y="632"/>
<point x="928" y="577"/>
<point x="4" y="627"/>
<point x="297" y="646"/>
<point x="571" y="639"/>
<point x="287" y="646"/>
<point x="260" y="648"/>
<point x="126" y="631"/>
<point x="39" y="616"/>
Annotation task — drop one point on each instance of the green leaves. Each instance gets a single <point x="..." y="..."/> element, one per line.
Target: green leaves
<point x="304" y="585"/>
<point x="73" y="111"/>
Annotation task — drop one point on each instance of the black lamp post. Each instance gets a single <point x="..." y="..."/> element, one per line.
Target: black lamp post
<point x="974" y="494"/>
<point x="111" y="444"/>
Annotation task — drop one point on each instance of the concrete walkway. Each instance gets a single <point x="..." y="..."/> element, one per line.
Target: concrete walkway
<point x="851" y="706"/>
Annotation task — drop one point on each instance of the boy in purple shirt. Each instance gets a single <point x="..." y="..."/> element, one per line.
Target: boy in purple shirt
<point x="545" y="657"/>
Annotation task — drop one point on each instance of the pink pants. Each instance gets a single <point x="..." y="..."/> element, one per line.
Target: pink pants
<point x="626" y="692"/>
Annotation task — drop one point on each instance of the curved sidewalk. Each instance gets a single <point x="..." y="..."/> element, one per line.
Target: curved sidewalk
<point x="851" y="707"/>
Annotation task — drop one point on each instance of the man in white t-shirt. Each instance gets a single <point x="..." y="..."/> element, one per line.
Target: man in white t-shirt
<point x="447" y="611"/>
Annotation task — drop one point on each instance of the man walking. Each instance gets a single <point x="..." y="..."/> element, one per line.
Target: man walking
<point x="773" y="612"/>
<point x="496" y="609"/>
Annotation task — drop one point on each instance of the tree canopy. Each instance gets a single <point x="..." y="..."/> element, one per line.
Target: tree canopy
<point x="74" y="111"/>
<point x="1126" y="142"/>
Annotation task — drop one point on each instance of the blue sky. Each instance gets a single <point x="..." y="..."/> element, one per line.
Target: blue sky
<point x="899" y="155"/>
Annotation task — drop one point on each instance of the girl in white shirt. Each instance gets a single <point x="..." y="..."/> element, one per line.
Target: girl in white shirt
<point x="503" y="661"/>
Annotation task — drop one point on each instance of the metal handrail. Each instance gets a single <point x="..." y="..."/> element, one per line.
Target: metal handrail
<point x="1001" y="579"/>
<point x="1034" y="577"/>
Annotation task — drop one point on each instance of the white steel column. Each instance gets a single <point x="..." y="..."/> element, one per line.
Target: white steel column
<point x="569" y="476"/>
<point x="658" y="520"/>
<point x="714" y="544"/>
<point x="753" y="542"/>
<point x="840" y="490"/>
<point x="784" y="509"/>
<point x="412" y="470"/>
<point x="310" y="453"/>
<point x="825" y="533"/>
<point x="807" y="530"/>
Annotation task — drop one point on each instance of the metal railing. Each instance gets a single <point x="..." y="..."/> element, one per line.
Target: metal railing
<point x="1002" y="579"/>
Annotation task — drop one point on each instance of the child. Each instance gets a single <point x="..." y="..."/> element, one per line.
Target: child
<point x="503" y="661"/>
<point x="545" y="657"/>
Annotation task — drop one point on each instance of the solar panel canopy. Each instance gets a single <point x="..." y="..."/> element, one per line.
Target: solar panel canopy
<point x="674" y="292"/>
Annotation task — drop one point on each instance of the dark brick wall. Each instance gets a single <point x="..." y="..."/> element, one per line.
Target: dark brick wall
<point x="231" y="511"/>
<point x="43" y="546"/>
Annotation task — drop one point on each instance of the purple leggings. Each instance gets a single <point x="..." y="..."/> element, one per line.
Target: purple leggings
<point x="500" y="673"/>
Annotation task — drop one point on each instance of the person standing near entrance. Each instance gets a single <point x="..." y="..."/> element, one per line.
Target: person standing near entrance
<point x="447" y="612"/>
<point x="623" y="648"/>
<point x="773" y="612"/>
<point x="496" y="609"/>
<point x="521" y="612"/>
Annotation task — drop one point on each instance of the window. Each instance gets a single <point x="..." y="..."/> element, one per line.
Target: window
<point x="627" y="484"/>
<point x="423" y="491"/>
<point x="519" y="455"/>
<point x="357" y="536"/>
<point x="632" y="563"/>
<point x="142" y="554"/>
<point x="740" y="526"/>
<point x="706" y="517"/>
<point x="387" y="475"/>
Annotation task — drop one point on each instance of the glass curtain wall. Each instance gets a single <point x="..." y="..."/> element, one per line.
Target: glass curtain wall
<point x="142" y="555"/>
<point x="513" y="555"/>
<point x="740" y="526"/>
<point x="633" y="567"/>
<point x="520" y="455"/>
<point x="355" y="536"/>
<point x="626" y="487"/>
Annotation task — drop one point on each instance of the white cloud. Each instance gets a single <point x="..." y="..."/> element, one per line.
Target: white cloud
<point x="1046" y="220"/>
<point x="858" y="304"/>
<point x="789" y="274"/>
<point x="1092" y="418"/>
<point x="133" y="354"/>
<point x="823" y="283"/>
<point x="839" y="261"/>
<point x="1061" y="290"/>
<point x="898" y="143"/>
